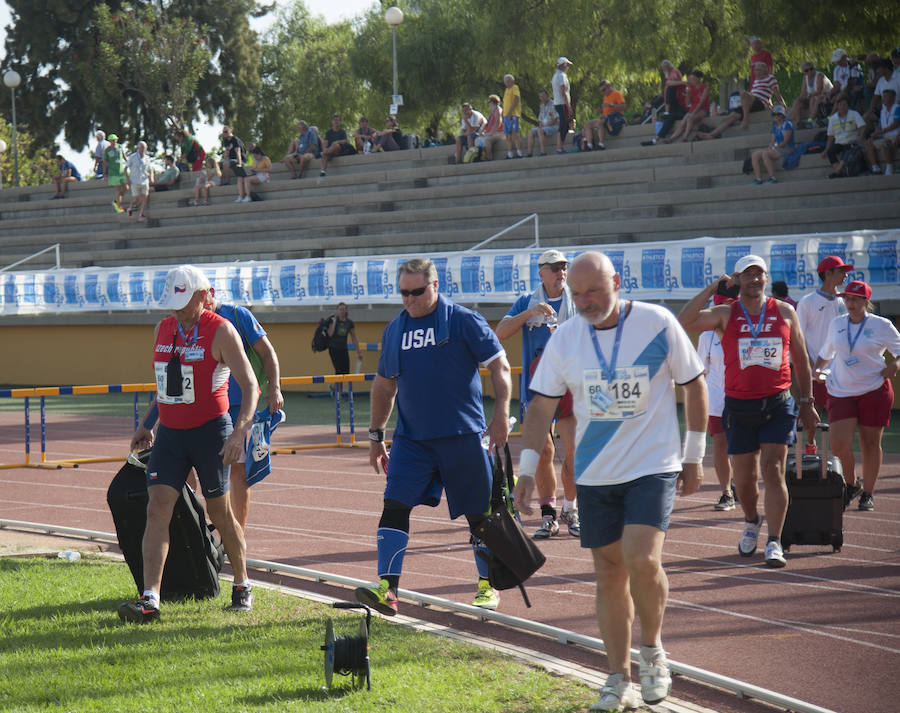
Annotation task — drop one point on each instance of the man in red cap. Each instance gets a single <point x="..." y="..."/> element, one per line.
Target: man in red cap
<point x="815" y="312"/>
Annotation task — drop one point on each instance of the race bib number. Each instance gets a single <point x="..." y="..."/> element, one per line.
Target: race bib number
<point x="625" y="396"/>
<point x="763" y="351"/>
<point x="187" y="384"/>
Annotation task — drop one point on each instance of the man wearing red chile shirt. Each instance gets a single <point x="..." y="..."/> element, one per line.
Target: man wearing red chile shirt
<point x="195" y="351"/>
<point x="759" y="335"/>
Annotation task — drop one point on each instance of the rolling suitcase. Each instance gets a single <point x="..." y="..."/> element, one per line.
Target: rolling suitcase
<point x="815" y="514"/>
<point x="195" y="553"/>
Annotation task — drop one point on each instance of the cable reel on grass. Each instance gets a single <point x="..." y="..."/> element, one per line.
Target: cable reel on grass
<point x="348" y="655"/>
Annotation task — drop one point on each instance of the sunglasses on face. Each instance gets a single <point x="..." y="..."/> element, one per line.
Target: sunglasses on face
<point x="418" y="292"/>
<point x="558" y="268"/>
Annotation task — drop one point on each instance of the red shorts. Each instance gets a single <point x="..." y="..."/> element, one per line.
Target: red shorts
<point x="871" y="409"/>
<point x="565" y="405"/>
<point x="714" y="425"/>
<point x="820" y="395"/>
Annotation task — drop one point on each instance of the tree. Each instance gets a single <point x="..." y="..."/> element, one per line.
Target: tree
<point x="36" y="165"/>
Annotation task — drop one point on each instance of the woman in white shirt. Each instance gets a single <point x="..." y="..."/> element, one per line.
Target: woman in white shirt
<point x="859" y="387"/>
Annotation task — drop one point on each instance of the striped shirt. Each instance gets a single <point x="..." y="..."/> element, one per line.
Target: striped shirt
<point x="763" y="88"/>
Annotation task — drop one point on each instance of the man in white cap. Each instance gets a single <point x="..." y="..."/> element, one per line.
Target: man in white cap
<point x="195" y="351"/>
<point x="761" y="339"/>
<point x="537" y="315"/>
<point x="845" y="77"/>
<point x="562" y="100"/>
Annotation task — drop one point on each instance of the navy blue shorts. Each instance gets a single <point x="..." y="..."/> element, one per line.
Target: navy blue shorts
<point x="177" y="450"/>
<point x="744" y="438"/>
<point x="604" y="510"/>
<point x="419" y="470"/>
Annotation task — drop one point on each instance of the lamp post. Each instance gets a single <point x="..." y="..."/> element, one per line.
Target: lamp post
<point x="2" y="151"/>
<point x="394" y="16"/>
<point x="12" y="79"/>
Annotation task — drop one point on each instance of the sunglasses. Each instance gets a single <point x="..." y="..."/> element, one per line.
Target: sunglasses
<point x="558" y="268"/>
<point x="418" y="292"/>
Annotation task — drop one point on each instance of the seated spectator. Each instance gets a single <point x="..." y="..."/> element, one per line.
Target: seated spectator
<point x="386" y="139"/>
<point x="548" y="124"/>
<point x="843" y="131"/>
<point x="672" y="80"/>
<point x="209" y="176"/>
<point x="364" y="136"/>
<point x="492" y="128"/>
<point x="845" y="77"/>
<point x="168" y="178"/>
<point x="336" y="143"/>
<point x="192" y="153"/>
<point x="470" y="129"/>
<point x="611" y="120"/>
<point x="102" y="145"/>
<point x="780" y="292"/>
<point x="880" y="145"/>
<point x="302" y="150"/>
<point x="815" y="89"/>
<point x="262" y="173"/>
<point x="763" y="90"/>
<point x="698" y="107"/>
<point x="887" y="79"/>
<point x="431" y="138"/>
<point x="67" y="174"/>
<point x="512" y="114"/>
<point x="781" y="145"/>
<point x="234" y="153"/>
<point x="677" y="110"/>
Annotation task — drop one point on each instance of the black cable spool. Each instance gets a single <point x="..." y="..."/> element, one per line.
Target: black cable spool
<point x="348" y="655"/>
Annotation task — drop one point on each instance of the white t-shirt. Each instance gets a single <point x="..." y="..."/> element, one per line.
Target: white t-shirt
<point x="843" y="74"/>
<point x="814" y="313"/>
<point x="863" y="373"/>
<point x="846" y="130"/>
<point x="474" y="120"/>
<point x="633" y="431"/>
<point x="893" y="83"/>
<point x="888" y="116"/>
<point x="709" y="348"/>
<point x="139" y="168"/>
<point x="560" y="81"/>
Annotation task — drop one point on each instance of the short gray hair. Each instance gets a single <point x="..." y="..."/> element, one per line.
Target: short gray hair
<point x="508" y="76"/>
<point x="419" y="266"/>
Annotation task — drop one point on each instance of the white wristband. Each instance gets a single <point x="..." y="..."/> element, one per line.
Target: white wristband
<point x="528" y="462"/>
<point x="694" y="447"/>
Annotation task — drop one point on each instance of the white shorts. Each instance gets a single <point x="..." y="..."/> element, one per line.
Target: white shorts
<point x="140" y="189"/>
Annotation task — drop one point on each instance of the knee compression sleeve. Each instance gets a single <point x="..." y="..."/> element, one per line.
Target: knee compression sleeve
<point x="393" y="537"/>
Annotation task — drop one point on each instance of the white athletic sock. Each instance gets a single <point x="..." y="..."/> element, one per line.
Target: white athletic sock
<point x="509" y="154"/>
<point x="244" y="584"/>
<point x="519" y="152"/>
<point x="568" y="504"/>
<point x="154" y="597"/>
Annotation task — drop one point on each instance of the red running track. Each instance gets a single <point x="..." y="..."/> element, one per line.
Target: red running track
<point x="826" y="629"/>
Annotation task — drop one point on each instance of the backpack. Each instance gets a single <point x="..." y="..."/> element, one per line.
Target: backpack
<point x="320" y="338"/>
<point x="854" y="161"/>
<point x="472" y="155"/>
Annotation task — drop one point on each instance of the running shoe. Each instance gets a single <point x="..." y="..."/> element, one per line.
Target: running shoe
<point x="549" y="527"/>
<point x="119" y="209"/>
<point x="726" y="502"/>
<point x="756" y="182"/>
<point x="866" y="502"/>
<point x="771" y="179"/>
<point x="381" y="598"/>
<point x="617" y="694"/>
<point x="570" y="518"/>
<point x="487" y="597"/>
<point x="747" y="543"/>
<point x="851" y="492"/>
<point x="656" y="681"/>
<point x="241" y="598"/>
<point x="775" y="555"/>
<point x="140" y="611"/>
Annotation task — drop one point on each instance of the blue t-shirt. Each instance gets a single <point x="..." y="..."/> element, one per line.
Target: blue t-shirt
<point x="778" y="132"/>
<point x="250" y="332"/>
<point x="533" y="340"/>
<point x="306" y="140"/>
<point x="438" y="386"/>
<point x="66" y="165"/>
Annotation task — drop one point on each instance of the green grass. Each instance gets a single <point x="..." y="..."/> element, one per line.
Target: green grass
<point x="62" y="648"/>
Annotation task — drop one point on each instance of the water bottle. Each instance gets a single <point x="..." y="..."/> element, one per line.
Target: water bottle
<point x="69" y="555"/>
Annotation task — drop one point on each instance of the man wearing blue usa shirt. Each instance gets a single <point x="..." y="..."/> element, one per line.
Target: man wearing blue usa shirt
<point x="621" y="360"/>
<point x="429" y="365"/>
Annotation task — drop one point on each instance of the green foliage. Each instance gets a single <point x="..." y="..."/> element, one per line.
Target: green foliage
<point x="36" y="165"/>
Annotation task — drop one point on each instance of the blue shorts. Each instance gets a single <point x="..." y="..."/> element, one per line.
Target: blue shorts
<point x="419" y="470"/>
<point x="177" y="450"/>
<point x="743" y="438"/>
<point x="604" y="510"/>
<point x="510" y="124"/>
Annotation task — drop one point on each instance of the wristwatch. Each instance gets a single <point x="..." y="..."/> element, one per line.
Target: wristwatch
<point x="376" y="435"/>
<point x="804" y="400"/>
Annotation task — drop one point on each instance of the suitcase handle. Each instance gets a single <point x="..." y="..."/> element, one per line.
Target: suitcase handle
<point x="798" y="450"/>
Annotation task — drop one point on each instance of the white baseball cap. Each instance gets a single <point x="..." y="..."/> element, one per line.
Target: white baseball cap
<point x="551" y="257"/>
<point x="750" y="261"/>
<point x="837" y="54"/>
<point x="181" y="284"/>
<point x="563" y="60"/>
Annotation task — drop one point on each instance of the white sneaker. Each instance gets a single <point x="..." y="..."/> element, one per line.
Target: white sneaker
<point x="617" y="694"/>
<point x="570" y="518"/>
<point x="246" y="199"/>
<point x="239" y="199"/>
<point x="656" y="681"/>
<point x="889" y="170"/>
<point x="876" y="169"/>
<point x="549" y="527"/>
<point x="747" y="543"/>
<point x="775" y="554"/>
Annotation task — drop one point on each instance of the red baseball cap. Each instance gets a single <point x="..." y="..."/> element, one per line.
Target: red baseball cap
<point x="857" y="288"/>
<point x="831" y="262"/>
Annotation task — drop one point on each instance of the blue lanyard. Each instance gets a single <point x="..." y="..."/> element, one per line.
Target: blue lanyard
<point x="826" y="295"/>
<point x="853" y="340"/>
<point x="609" y="370"/>
<point x="754" y="328"/>
<point x="183" y="336"/>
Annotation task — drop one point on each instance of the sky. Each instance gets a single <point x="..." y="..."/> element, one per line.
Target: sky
<point x="331" y="10"/>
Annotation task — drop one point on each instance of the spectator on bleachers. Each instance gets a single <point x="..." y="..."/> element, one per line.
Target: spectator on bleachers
<point x="610" y="121"/>
<point x="234" y="153"/>
<point x="512" y="114"/>
<point x="698" y="107"/>
<point x="492" y="127"/>
<point x="781" y="145"/>
<point x="880" y="145"/>
<point x="677" y="110"/>
<point x="887" y="79"/>
<point x="431" y="138"/>
<point x="562" y="100"/>
<point x="140" y="173"/>
<point x="845" y="77"/>
<point x="872" y="75"/>
<point x="364" y="136"/>
<point x="336" y="143"/>
<point x="815" y="89"/>
<point x="387" y="138"/>
<point x="168" y="178"/>
<point x="68" y="173"/>
<point x="759" y="54"/>
<point x="302" y="150"/>
<point x="192" y="153"/>
<point x="469" y="129"/>
<point x="843" y="130"/>
<point x="548" y="124"/>
<point x="760" y="97"/>
<point x="114" y="170"/>
<point x="99" y="148"/>
<point x="672" y="80"/>
<point x="262" y="173"/>
<point x="209" y="176"/>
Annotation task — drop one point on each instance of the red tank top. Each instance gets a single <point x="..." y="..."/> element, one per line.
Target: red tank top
<point x="759" y="366"/>
<point x="204" y="379"/>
